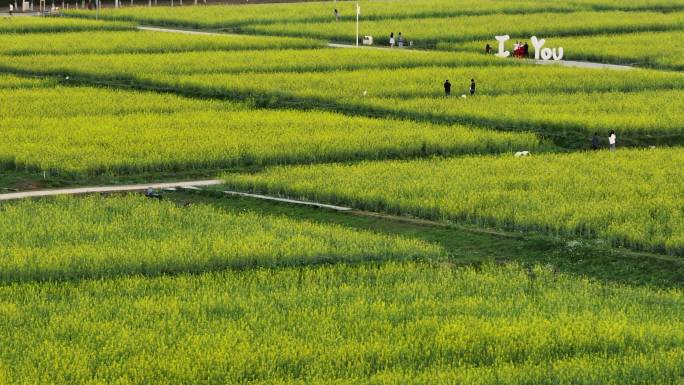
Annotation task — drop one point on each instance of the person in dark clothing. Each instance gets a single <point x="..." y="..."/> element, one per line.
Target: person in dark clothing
<point x="447" y="88"/>
<point x="488" y="49"/>
<point x="472" y="87"/>
<point x="595" y="141"/>
<point x="526" y="50"/>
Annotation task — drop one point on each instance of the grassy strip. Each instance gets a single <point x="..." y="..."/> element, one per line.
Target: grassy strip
<point x="53" y="25"/>
<point x="138" y="42"/>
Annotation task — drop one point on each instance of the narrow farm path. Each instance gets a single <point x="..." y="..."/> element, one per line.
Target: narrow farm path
<point x="107" y="189"/>
<point x="286" y="200"/>
<point x="564" y="63"/>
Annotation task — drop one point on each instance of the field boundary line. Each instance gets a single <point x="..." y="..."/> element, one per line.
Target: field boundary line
<point x="107" y="189"/>
<point x="287" y="200"/>
<point x="185" y="31"/>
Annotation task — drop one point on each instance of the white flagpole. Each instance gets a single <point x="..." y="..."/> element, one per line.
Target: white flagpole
<point x="358" y="12"/>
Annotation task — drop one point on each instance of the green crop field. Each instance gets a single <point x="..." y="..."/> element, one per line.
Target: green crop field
<point x="430" y="31"/>
<point x="97" y="237"/>
<point x="108" y="131"/>
<point x="480" y="239"/>
<point x="629" y="198"/>
<point x="390" y="324"/>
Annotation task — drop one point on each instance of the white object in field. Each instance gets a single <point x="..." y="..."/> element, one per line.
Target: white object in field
<point x="25" y="6"/>
<point x="365" y="93"/>
<point x="558" y="56"/>
<point x="522" y="153"/>
<point x="464" y="96"/>
<point x="67" y="78"/>
<point x="368" y="40"/>
<point x="358" y="13"/>
<point x="502" y="52"/>
<point x="545" y="53"/>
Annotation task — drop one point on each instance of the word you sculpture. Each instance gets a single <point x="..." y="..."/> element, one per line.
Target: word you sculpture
<point x="539" y="52"/>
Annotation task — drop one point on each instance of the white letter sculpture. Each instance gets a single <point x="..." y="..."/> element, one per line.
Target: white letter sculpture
<point x="537" y="46"/>
<point x="502" y="40"/>
<point x="546" y="53"/>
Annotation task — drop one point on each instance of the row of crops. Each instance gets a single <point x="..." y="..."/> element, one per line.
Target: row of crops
<point x="396" y="322"/>
<point x="632" y="198"/>
<point x="562" y="104"/>
<point x="98" y="237"/>
<point x="322" y="12"/>
<point x="88" y="131"/>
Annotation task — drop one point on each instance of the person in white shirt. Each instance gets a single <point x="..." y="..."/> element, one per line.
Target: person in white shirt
<point x="611" y="140"/>
<point x="392" y="40"/>
<point x="11" y="9"/>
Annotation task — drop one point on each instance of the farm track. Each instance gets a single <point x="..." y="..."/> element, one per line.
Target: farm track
<point x="564" y="63"/>
<point x="106" y="189"/>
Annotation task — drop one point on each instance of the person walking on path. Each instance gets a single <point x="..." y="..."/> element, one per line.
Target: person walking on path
<point x="595" y="142"/>
<point x="472" y="87"/>
<point x="611" y="140"/>
<point x="11" y="9"/>
<point x="391" y="39"/>
<point x="447" y="87"/>
<point x="400" y="40"/>
<point x="337" y="15"/>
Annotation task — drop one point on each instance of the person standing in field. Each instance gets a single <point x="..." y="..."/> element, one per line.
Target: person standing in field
<point x="611" y="140"/>
<point x="447" y="87"/>
<point x="595" y="142"/>
<point x="488" y="49"/>
<point x="472" y="87"/>
<point x="337" y="15"/>
<point x="391" y="39"/>
<point x="400" y="40"/>
<point x="11" y="9"/>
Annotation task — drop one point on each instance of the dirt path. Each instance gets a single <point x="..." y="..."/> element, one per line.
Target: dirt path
<point x="564" y="63"/>
<point x="106" y="189"/>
